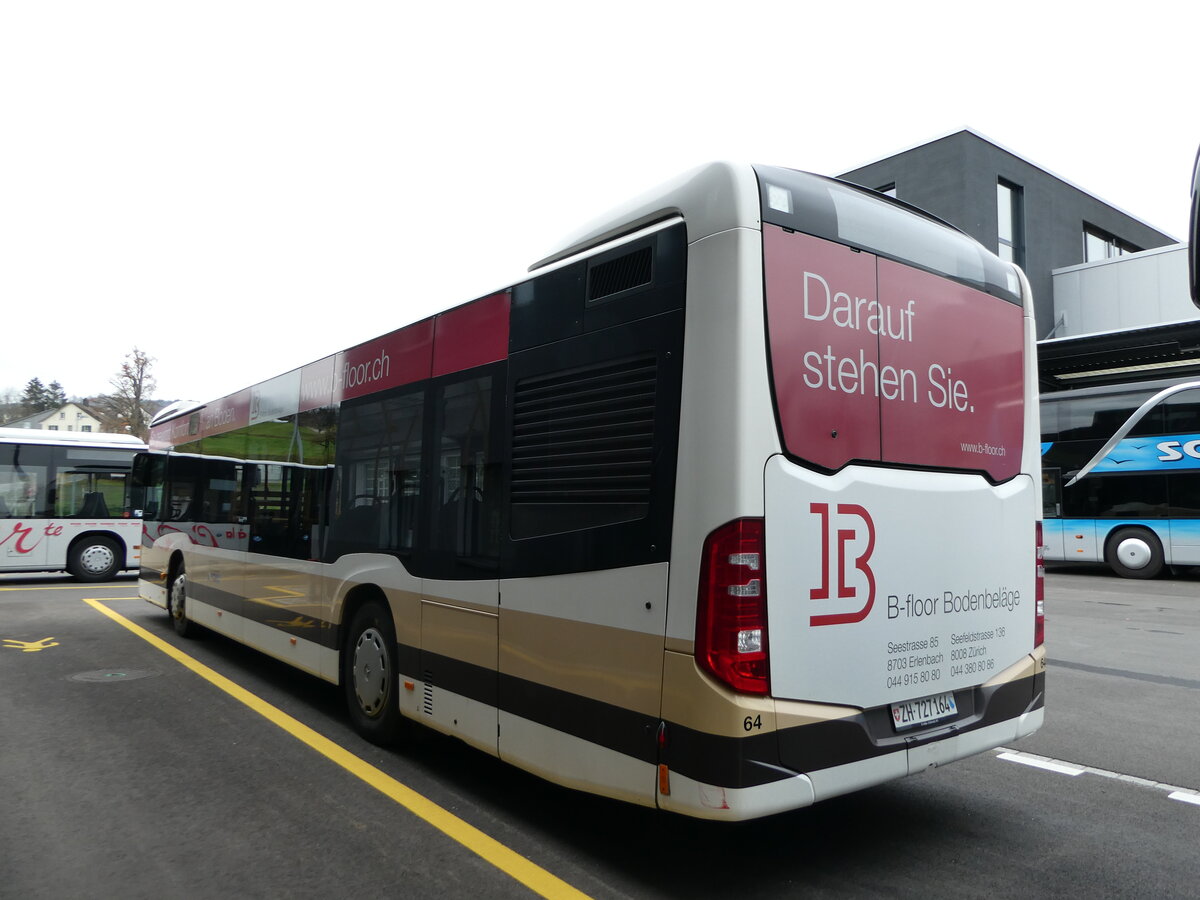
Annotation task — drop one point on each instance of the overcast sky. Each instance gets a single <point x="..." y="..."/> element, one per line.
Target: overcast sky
<point x="238" y="188"/>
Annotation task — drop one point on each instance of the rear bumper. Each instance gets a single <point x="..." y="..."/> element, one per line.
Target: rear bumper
<point x="806" y="757"/>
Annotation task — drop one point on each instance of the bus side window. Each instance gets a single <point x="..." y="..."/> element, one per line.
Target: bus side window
<point x="466" y="518"/>
<point x="377" y="484"/>
<point x="24" y="485"/>
<point x="1051" y="493"/>
<point x="145" y="486"/>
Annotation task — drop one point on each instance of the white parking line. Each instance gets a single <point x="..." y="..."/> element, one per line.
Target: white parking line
<point x="1174" y="792"/>
<point x="1037" y="762"/>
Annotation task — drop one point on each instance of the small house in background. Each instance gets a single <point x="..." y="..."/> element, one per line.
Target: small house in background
<point x="71" y="417"/>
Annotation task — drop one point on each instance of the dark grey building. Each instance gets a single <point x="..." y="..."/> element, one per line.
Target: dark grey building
<point x="1008" y="204"/>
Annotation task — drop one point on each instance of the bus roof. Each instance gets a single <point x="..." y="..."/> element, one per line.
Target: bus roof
<point x="713" y="198"/>
<point x="90" y="438"/>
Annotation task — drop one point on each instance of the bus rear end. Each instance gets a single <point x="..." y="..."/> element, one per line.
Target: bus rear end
<point x="878" y="610"/>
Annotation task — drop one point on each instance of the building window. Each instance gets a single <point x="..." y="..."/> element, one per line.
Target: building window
<point x="888" y="189"/>
<point x="1099" y="244"/>
<point x="85" y="427"/>
<point x="52" y="428"/>
<point x="1010" y="222"/>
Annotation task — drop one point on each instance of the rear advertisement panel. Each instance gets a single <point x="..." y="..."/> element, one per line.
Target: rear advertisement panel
<point x="885" y="585"/>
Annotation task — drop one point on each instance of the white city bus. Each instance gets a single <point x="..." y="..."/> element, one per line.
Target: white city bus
<point x="729" y="507"/>
<point x="62" y="503"/>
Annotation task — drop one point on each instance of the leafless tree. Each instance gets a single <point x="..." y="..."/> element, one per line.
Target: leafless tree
<point x="132" y="387"/>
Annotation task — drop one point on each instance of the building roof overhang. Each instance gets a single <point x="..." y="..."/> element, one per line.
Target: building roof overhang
<point x="1171" y="350"/>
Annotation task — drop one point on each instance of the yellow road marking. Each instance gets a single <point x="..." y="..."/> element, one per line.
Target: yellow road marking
<point x="29" y="646"/>
<point x="502" y="857"/>
<point x="71" y="587"/>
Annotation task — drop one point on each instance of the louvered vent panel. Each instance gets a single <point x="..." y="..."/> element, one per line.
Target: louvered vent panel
<point x="427" y="706"/>
<point x="621" y="274"/>
<point x="583" y="447"/>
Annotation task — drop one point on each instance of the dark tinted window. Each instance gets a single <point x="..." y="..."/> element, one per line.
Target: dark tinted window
<point x="377" y="495"/>
<point x="1184" y="490"/>
<point x="25" y="486"/>
<point x="860" y="218"/>
<point x="1097" y="416"/>
<point x="467" y="498"/>
<point x="1182" y="413"/>
<point x="283" y="509"/>
<point x="1117" y="497"/>
<point x="146" y="486"/>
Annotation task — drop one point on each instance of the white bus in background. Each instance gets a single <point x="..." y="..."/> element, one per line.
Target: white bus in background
<point x="62" y="503"/>
<point x="729" y="507"/>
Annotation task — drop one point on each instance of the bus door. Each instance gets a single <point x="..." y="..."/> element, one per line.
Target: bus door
<point x="1052" y="531"/>
<point x="1184" y="547"/>
<point x="460" y="604"/>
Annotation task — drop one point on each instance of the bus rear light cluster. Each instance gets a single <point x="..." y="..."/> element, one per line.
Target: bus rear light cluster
<point x="1039" y="594"/>
<point x="731" y="618"/>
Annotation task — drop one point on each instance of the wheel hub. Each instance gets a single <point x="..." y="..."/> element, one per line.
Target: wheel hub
<point x="1135" y="553"/>
<point x="175" y="599"/>
<point x="370" y="672"/>
<point x="97" y="558"/>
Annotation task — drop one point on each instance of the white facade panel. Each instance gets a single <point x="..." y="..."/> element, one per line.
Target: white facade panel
<point x="1135" y="291"/>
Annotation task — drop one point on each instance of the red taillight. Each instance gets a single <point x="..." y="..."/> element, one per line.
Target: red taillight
<point x="731" y="620"/>
<point x="1039" y="593"/>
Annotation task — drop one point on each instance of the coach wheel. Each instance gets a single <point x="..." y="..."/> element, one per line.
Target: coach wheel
<point x="369" y="675"/>
<point x="94" y="559"/>
<point x="177" y="607"/>
<point x="1135" y="553"/>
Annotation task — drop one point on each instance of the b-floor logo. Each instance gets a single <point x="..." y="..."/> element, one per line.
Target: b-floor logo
<point x="841" y="529"/>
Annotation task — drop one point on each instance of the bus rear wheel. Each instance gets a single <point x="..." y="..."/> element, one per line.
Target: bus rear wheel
<point x="94" y="559"/>
<point x="369" y="674"/>
<point x="177" y="607"/>
<point x="1134" y="553"/>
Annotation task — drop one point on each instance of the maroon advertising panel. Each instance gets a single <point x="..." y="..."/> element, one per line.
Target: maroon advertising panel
<point x="227" y="414"/>
<point x="172" y="433"/>
<point x="472" y="335"/>
<point x="875" y="360"/>
<point x="824" y="355"/>
<point x="960" y="353"/>
<point x="395" y="359"/>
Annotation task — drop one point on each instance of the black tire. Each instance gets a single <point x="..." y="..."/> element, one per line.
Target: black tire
<point x="95" y="559"/>
<point x="177" y="607"/>
<point x="1134" y="552"/>
<point x="370" y="679"/>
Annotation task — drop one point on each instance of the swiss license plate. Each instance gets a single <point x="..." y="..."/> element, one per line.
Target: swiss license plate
<point x="924" y="711"/>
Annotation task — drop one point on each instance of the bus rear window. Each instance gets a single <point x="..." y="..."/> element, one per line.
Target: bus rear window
<point x="861" y="219"/>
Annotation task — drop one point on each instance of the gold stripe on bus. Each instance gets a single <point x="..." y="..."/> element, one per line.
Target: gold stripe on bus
<point x="464" y="634"/>
<point x="692" y="699"/>
<point x="613" y="665"/>
<point x="1026" y="667"/>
